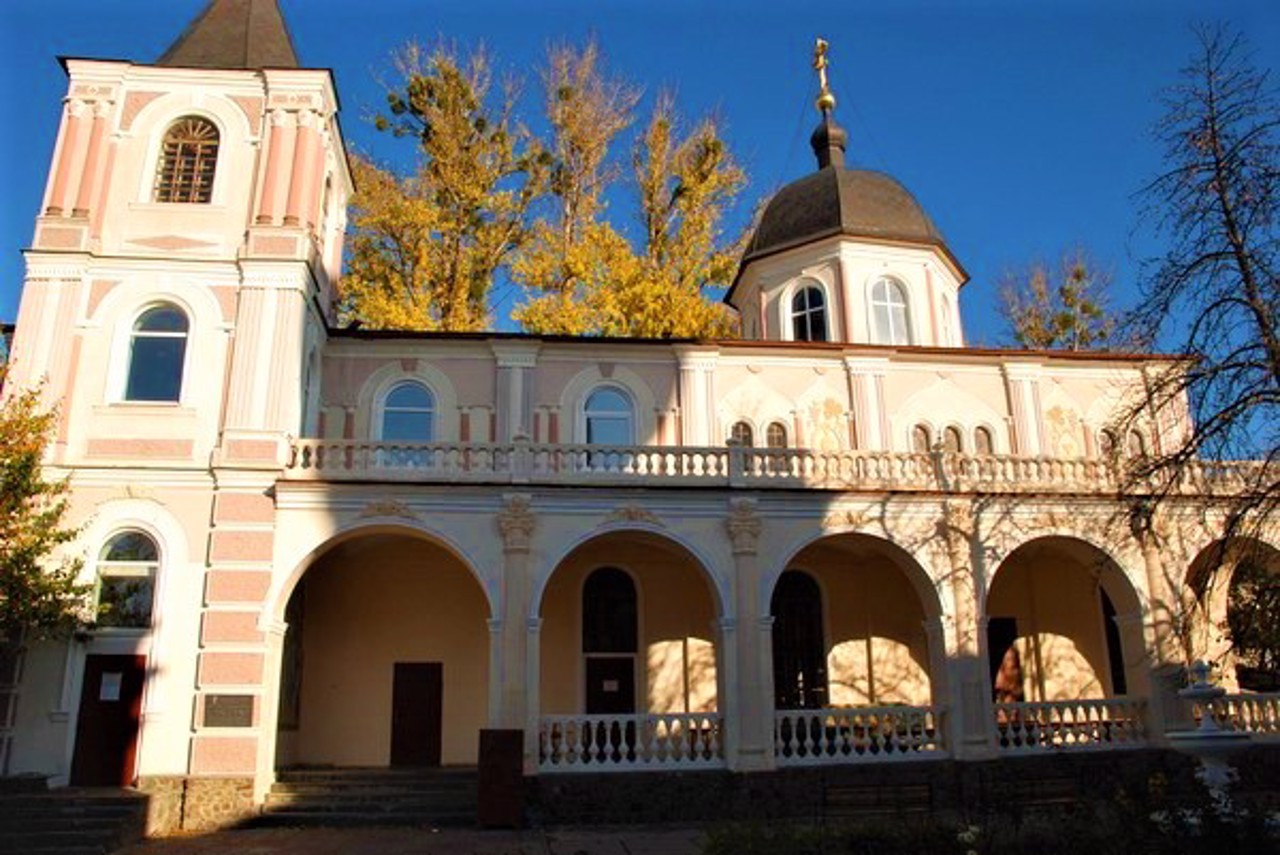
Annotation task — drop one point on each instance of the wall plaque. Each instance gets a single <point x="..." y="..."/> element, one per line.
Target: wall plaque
<point x="228" y="710"/>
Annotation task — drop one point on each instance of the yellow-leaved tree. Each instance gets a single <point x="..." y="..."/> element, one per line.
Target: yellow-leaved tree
<point x="424" y="248"/>
<point x="584" y="276"/>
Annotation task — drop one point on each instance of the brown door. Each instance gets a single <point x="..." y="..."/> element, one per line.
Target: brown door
<point x="611" y="685"/>
<point x="107" y="728"/>
<point x="417" y="717"/>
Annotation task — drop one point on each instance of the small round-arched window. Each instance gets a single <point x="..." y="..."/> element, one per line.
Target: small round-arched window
<point x="809" y="315"/>
<point x="609" y="417"/>
<point x="775" y="435"/>
<point x="188" y="160"/>
<point x="1106" y="443"/>
<point x="408" y="413"/>
<point x="982" y="441"/>
<point x="742" y="435"/>
<point x="157" y="354"/>
<point x="952" y="441"/>
<point x="127" y="567"/>
<point x="921" y="439"/>
<point x="1136" y="445"/>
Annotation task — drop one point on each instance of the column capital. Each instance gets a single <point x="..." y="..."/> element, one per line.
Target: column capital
<point x="516" y="522"/>
<point x="744" y="525"/>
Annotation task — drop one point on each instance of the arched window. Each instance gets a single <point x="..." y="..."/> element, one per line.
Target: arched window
<point x="921" y="439"/>
<point x="127" y="568"/>
<point x="889" y="312"/>
<point x="809" y="315"/>
<point x="952" y="440"/>
<point x="408" y="413"/>
<point x="157" y="353"/>
<point x="610" y="417"/>
<point x="188" y="159"/>
<point x="775" y="436"/>
<point x="610" y="639"/>
<point x="1136" y="446"/>
<point x="741" y="434"/>
<point x="799" y="652"/>
<point x="1106" y="443"/>
<point x="982" y="441"/>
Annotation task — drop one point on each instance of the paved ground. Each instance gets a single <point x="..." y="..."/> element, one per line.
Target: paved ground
<point x="422" y="841"/>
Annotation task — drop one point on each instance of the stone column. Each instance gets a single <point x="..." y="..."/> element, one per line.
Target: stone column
<point x="517" y="687"/>
<point x="515" y="363"/>
<point x="969" y="697"/>
<point x="697" y="367"/>
<point x="303" y="158"/>
<point x="277" y="139"/>
<point x="89" y="176"/>
<point x="1021" y="381"/>
<point x="753" y="703"/>
<point x="533" y="700"/>
<point x="59" y="195"/>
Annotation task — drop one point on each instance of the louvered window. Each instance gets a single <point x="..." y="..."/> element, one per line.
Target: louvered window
<point x="188" y="160"/>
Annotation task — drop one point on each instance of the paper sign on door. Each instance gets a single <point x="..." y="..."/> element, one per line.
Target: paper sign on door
<point x="610" y="685"/>
<point x="110" y="689"/>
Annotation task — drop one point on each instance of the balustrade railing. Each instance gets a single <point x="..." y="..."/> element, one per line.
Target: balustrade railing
<point x="733" y="466"/>
<point x="839" y="735"/>
<point x="1256" y="713"/>
<point x="600" y="743"/>
<point x="1095" y="724"/>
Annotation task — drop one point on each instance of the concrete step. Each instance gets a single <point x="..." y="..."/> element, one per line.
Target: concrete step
<point x="70" y="821"/>
<point x="339" y="818"/>
<point x="364" y="797"/>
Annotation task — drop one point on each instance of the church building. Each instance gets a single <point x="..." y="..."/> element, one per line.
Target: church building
<point x="845" y="538"/>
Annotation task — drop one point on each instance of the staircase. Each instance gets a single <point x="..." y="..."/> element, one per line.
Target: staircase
<point x="332" y="796"/>
<point x="71" y="821"/>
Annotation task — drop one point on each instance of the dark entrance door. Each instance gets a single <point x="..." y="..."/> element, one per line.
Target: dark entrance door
<point x="417" y="716"/>
<point x="107" y="727"/>
<point x="611" y="685"/>
<point x="799" y="653"/>
<point x="1002" y="656"/>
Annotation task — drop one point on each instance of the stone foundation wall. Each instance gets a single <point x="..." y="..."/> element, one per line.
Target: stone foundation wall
<point x="178" y="803"/>
<point x="942" y="788"/>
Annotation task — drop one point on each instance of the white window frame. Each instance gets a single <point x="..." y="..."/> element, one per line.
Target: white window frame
<point x="876" y="304"/>
<point x="128" y="569"/>
<point x="584" y="415"/>
<point x="122" y="354"/>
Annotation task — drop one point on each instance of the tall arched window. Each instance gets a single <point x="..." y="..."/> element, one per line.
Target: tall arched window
<point x="921" y="439"/>
<point x="188" y="160"/>
<point x="809" y="315"/>
<point x="609" y="417"/>
<point x="741" y="434"/>
<point x="982" y="441"/>
<point x="408" y="413"/>
<point x="127" y="568"/>
<point x="892" y="323"/>
<point x="1106" y="442"/>
<point x="952" y="441"/>
<point x="157" y="354"/>
<point x="610" y="639"/>
<point x="799" y="652"/>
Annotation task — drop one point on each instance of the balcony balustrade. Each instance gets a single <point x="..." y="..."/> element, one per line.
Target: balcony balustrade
<point x="1094" y="724"/>
<point x="735" y="467"/>
<point x="842" y="735"/>
<point x="604" y="743"/>
<point x="1254" y="713"/>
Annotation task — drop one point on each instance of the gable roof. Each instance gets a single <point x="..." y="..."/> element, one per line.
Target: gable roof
<point x="244" y="34"/>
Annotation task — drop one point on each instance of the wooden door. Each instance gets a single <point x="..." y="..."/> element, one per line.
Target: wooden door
<point x="107" y="726"/>
<point x="611" y="685"/>
<point x="417" y="713"/>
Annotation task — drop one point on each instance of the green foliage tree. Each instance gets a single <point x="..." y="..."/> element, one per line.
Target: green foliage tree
<point x="1062" y="308"/>
<point x="39" y="595"/>
<point x="1253" y="623"/>
<point x="425" y="249"/>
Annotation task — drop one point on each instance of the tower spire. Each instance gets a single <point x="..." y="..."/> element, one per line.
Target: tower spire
<point x="828" y="138"/>
<point x="234" y="34"/>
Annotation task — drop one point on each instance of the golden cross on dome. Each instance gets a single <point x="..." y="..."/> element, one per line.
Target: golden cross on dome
<point x="826" y="100"/>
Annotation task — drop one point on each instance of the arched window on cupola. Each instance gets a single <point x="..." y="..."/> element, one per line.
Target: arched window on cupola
<point x="890" y="319"/>
<point x="809" y="315"/>
<point x="921" y="439"/>
<point x="982" y="441"/>
<point x="952" y="440"/>
<point x="157" y="355"/>
<point x="188" y="161"/>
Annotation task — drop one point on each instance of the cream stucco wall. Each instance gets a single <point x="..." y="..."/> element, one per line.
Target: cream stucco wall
<point x="373" y="602"/>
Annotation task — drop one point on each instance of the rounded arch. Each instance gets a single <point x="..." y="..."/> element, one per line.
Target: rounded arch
<point x="1072" y="615"/>
<point x="575" y="393"/>
<point x="1209" y="589"/>
<point x="379" y="384"/>
<point x="282" y="587"/>
<point x="155" y="119"/>
<point x="787" y="299"/>
<point x="931" y="598"/>
<point x="718" y="589"/>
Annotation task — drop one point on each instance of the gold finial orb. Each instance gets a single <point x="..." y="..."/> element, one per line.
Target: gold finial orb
<point x="826" y="100"/>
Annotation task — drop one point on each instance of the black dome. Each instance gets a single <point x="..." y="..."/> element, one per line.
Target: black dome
<point x="835" y="200"/>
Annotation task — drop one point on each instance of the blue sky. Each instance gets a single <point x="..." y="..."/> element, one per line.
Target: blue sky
<point x="1022" y="127"/>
